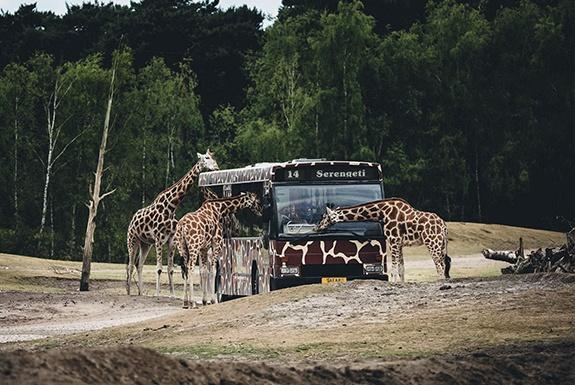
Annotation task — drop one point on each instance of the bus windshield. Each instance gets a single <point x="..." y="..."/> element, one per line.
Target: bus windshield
<point x="300" y="207"/>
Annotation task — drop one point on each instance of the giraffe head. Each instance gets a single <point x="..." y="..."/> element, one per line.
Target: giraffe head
<point x="329" y="218"/>
<point x="207" y="161"/>
<point x="254" y="203"/>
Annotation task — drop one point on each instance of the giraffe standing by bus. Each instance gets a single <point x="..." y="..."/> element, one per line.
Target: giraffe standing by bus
<point x="199" y="234"/>
<point x="403" y="226"/>
<point x="155" y="225"/>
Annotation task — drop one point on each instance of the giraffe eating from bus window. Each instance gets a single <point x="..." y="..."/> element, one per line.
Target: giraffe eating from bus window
<point x="403" y="226"/>
<point x="200" y="232"/>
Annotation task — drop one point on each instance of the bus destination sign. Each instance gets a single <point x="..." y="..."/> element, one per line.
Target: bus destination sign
<point x="326" y="173"/>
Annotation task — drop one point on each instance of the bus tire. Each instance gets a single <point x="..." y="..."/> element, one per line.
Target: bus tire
<point x="255" y="278"/>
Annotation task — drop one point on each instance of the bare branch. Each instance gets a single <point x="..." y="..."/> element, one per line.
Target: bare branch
<point x="59" y="129"/>
<point x="66" y="146"/>
<point x="106" y="194"/>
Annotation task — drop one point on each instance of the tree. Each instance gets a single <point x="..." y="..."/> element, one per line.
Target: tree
<point x="341" y="50"/>
<point x="17" y="91"/>
<point x="95" y="189"/>
<point x="55" y="84"/>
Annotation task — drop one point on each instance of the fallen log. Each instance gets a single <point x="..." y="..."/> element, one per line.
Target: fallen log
<point x="558" y="259"/>
<point x="498" y="255"/>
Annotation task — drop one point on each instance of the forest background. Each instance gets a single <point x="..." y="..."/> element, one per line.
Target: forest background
<point x="468" y="105"/>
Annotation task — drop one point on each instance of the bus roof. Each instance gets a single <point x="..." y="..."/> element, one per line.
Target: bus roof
<point x="261" y="172"/>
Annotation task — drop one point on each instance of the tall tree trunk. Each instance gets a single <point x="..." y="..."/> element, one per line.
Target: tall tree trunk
<point x="317" y="112"/>
<point x="51" y="117"/>
<point x="72" y="243"/>
<point x="51" y="108"/>
<point x="16" y="214"/>
<point x="51" y="227"/>
<point x="477" y="184"/>
<point x="144" y="174"/>
<point x="170" y="157"/>
<point x="96" y="197"/>
<point x="344" y="79"/>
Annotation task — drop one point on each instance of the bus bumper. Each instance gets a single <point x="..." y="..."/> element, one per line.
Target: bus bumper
<point x="277" y="283"/>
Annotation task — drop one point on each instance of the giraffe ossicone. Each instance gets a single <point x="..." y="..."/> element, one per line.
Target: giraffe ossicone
<point x="155" y="225"/>
<point x="403" y="226"/>
<point x="199" y="235"/>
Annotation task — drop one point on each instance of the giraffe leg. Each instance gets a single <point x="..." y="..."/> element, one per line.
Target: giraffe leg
<point x="189" y="294"/>
<point x="394" y="250"/>
<point x="158" y="245"/>
<point x="171" y="265"/>
<point x="217" y="245"/>
<point x="144" y="250"/>
<point x="180" y="244"/>
<point x="400" y="265"/>
<point x="435" y="248"/>
<point x="204" y="276"/>
<point x="133" y="248"/>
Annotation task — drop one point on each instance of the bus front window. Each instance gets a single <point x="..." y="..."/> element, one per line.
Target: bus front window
<point x="300" y="207"/>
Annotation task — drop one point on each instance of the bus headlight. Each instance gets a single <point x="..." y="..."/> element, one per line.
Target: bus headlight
<point x="372" y="268"/>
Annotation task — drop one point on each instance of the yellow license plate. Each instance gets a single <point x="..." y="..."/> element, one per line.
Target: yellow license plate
<point x="333" y="280"/>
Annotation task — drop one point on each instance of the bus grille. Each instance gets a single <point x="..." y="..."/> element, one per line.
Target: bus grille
<point x="340" y="270"/>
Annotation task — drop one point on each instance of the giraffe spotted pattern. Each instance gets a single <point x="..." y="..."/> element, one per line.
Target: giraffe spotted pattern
<point x="403" y="226"/>
<point x="200" y="232"/>
<point x="155" y="225"/>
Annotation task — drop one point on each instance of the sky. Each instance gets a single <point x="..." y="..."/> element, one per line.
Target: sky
<point x="268" y="7"/>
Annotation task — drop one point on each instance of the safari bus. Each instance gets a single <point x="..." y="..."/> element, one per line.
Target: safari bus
<point x="281" y="248"/>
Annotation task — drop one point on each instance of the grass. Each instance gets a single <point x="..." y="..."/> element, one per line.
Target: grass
<point x="212" y="351"/>
<point x="224" y="331"/>
<point x="470" y="238"/>
<point x="20" y="273"/>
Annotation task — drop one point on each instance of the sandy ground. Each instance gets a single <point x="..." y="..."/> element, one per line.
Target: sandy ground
<point x="28" y="316"/>
<point x="479" y="327"/>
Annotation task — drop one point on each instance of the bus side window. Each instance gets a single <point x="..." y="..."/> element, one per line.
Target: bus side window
<point x="248" y="224"/>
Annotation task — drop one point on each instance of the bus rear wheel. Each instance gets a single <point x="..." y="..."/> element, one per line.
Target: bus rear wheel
<point x="255" y="276"/>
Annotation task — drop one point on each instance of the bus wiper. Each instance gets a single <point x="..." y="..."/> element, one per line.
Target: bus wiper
<point x="323" y="234"/>
<point x="352" y="232"/>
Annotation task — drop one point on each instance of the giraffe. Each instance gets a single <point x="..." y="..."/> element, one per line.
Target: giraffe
<point x="198" y="232"/>
<point x="403" y="226"/>
<point x="229" y="222"/>
<point x="156" y="224"/>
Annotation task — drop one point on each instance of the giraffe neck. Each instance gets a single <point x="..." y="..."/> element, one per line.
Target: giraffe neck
<point x="373" y="211"/>
<point x="174" y="194"/>
<point x="231" y="205"/>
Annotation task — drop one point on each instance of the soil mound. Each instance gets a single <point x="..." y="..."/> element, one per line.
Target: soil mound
<point x="534" y="364"/>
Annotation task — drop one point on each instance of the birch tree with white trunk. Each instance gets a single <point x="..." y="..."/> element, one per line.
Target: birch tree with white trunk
<point x="61" y="88"/>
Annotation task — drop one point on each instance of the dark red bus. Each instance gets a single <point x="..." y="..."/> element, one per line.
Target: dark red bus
<point x="281" y="248"/>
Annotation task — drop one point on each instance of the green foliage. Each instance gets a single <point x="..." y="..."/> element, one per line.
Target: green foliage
<point x="468" y="105"/>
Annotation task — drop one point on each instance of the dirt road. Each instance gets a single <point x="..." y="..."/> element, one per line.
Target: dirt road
<point x="27" y="316"/>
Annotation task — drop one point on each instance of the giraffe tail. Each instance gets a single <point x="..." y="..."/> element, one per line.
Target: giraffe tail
<point x="183" y="258"/>
<point x="447" y="258"/>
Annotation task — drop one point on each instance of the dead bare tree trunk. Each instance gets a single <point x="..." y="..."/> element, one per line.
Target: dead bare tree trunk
<point x="96" y="197"/>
